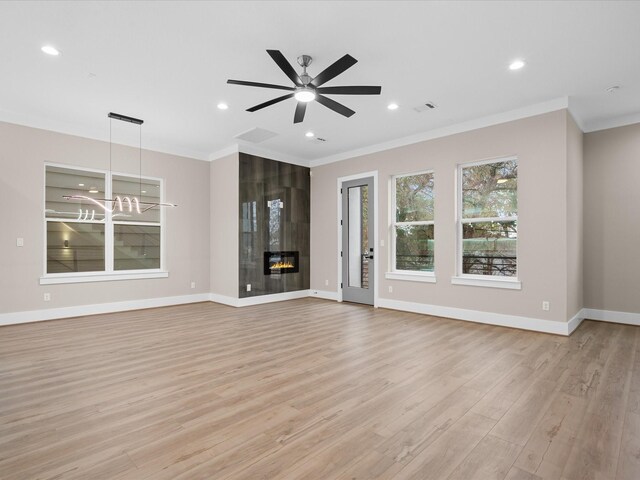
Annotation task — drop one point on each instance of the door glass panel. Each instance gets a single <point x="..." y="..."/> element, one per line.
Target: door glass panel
<point x="358" y="237"/>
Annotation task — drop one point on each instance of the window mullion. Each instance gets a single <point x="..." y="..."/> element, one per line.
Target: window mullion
<point x="421" y="222"/>
<point x="489" y="219"/>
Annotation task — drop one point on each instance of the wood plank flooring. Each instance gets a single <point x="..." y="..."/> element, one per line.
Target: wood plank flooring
<point x="312" y="389"/>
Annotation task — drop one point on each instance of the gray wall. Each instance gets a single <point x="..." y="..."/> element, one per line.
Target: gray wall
<point x="540" y="142"/>
<point x="261" y="181"/>
<point x="224" y="226"/>
<point x="575" y="227"/>
<point x="612" y="219"/>
<point x="23" y="152"/>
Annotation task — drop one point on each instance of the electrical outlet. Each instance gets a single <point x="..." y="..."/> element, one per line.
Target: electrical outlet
<point x="390" y="289"/>
<point x="382" y="243"/>
<point x="545" y="306"/>
<point x="47" y="297"/>
<point x="248" y="287"/>
<point x="19" y="242"/>
<point x="326" y="283"/>
<point x="193" y="284"/>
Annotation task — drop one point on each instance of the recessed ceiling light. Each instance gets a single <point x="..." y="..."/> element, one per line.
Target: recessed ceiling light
<point x="93" y="190"/>
<point x="144" y="191"/>
<point x="49" y="50"/>
<point x="392" y="106"/>
<point x="81" y="184"/>
<point x="223" y="106"/>
<point x="516" y="65"/>
<point x="309" y="134"/>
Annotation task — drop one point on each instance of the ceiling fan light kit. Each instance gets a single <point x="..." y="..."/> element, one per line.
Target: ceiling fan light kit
<point x="307" y="89"/>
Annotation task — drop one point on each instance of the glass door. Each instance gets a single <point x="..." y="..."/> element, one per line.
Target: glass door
<point x="357" y="241"/>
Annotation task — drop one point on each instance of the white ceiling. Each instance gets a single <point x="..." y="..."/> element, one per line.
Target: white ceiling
<point x="168" y="62"/>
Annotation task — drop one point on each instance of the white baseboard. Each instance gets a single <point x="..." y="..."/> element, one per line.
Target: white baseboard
<point x="82" y="310"/>
<point x="513" y="321"/>
<point x="575" y="321"/>
<point x="257" y="300"/>
<point x="324" y="294"/>
<point x="223" y="299"/>
<point x="612" y="316"/>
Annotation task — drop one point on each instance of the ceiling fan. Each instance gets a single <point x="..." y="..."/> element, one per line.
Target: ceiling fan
<point x="309" y="88"/>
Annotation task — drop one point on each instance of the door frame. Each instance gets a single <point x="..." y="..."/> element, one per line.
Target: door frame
<point x="376" y="243"/>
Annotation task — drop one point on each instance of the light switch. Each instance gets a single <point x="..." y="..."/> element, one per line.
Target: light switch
<point x="20" y="242"/>
<point x="382" y="243"/>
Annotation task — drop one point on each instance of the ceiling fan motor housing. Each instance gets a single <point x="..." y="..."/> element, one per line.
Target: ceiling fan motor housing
<point x="304" y="60"/>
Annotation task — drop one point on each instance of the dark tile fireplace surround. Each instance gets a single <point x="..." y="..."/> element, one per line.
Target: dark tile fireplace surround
<point x="274" y="226"/>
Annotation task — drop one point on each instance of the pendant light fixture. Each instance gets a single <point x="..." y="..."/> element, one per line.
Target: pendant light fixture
<point x="120" y="204"/>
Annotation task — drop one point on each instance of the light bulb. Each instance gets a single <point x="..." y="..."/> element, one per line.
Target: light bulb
<point x="305" y="94"/>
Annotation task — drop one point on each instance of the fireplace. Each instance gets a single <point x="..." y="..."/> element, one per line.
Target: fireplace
<point x="281" y="262"/>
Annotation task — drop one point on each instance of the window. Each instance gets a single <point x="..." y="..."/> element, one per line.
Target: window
<point x="488" y="219"/>
<point x="84" y="238"/>
<point x="413" y="224"/>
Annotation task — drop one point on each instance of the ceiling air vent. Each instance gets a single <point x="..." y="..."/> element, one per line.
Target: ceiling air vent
<point x="256" y="135"/>
<point x="425" y="106"/>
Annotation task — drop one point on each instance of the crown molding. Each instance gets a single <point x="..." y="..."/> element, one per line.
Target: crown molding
<point x="100" y="134"/>
<point x="242" y="147"/>
<point x="615" y="122"/>
<point x="231" y="149"/>
<point x="504" y="117"/>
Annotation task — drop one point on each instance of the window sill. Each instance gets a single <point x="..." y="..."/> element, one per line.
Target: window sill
<point x="425" y="277"/>
<point x="492" y="282"/>
<point x="99" y="277"/>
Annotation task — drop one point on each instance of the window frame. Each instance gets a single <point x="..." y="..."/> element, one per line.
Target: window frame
<point x="109" y="273"/>
<point x="409" y="275"/>
<point x="460" y="278"/>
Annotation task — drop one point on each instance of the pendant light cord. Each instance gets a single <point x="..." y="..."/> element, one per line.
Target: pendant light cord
<point x="110" y="127"/>
<point x="140" y="159"/>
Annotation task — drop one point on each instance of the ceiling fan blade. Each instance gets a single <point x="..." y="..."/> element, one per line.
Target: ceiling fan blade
<point x="335" y="106"/>
<point x="285" y="66"/>
<point x="269" y="103"/>
<point x="352" y="90"/>
<point x="257" y="84"/>
<point x="334" y="70"/>
<point x="300" y="109"/>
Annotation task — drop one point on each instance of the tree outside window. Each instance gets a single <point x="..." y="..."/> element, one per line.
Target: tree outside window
<point x="413" y="224"/>
<point x="488" y="221"/>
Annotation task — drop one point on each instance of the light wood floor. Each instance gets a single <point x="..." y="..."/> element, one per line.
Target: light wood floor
<point x="311" y="389"/>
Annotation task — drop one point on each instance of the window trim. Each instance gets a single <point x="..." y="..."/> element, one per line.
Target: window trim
<point x="408" y="275"/>
<point x="495" y="281"/>
<point x="109" y="274"/>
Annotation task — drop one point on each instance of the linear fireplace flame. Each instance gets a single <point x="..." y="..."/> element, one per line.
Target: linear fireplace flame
<point x="281" y="262"/>
<point x="281" y="265"/>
